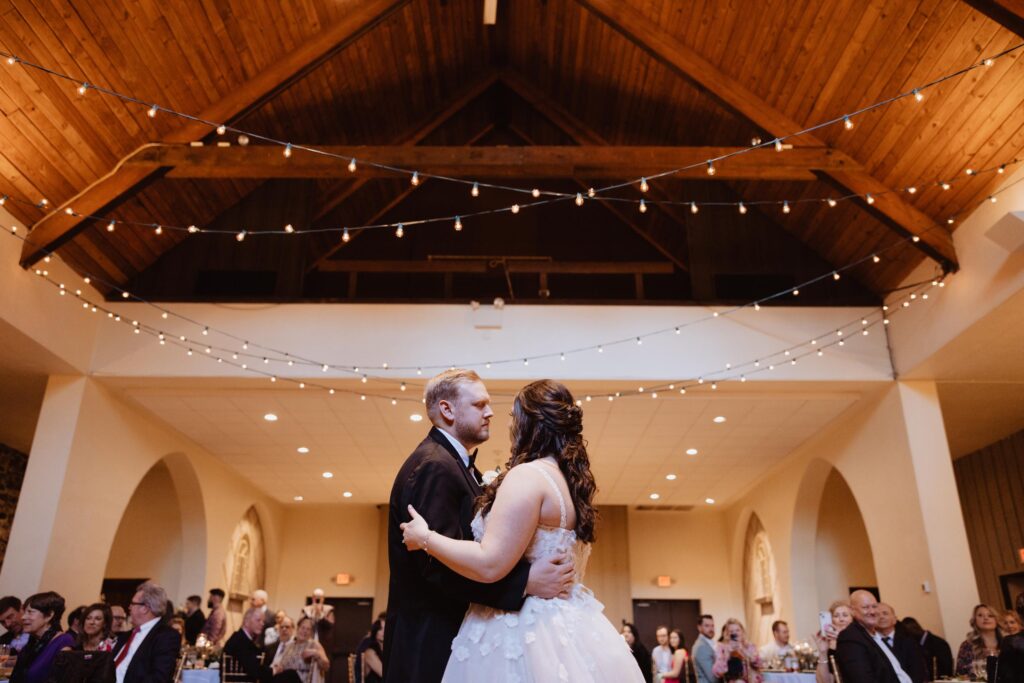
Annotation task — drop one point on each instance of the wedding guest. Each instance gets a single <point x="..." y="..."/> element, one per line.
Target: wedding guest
<point x="149" y="652"/>
<point x="1009" y="623"/>
<point x="371" y="663"/>
<point x="242" y="647"/>
<point x="661" y="655"/>
<point x="1011" y="654"/>
<point x="317" y="609"/>
<point x="704" y="650"/>
<point x="272" y="633"/>
<point x="842" y="615"/>
<point x="638" y="650"/>
<point x="938" y="654"/>
<point x="216" y="625"/>
<point x="779" y="648"/>
<point x="10" y="618"/>
<point x="96" y="632"/>
<point x="258" y="599"/>
<point x="75" y="620"/>
<point x="194" y="618"/>
<point x="285" y="633"/>
<point x="677" y="673"/>
<point x="909" y="653"/>
<point x="979" y="652"/>
<point x="120" y="618"/>
<point x="40" y="619"/>
<point x="735" y="657"/>
<point x="860" y="656"/>
<point x="304" y="655"/>
<point x="178" y="624"/>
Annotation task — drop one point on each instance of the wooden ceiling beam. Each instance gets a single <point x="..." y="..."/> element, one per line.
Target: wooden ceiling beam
<point x="900" y="216"/>
<point x="57" y="227"/>
<point x="267" y="161"/>
<point x="1008" y="13"/>
<point x="488" y="264"/>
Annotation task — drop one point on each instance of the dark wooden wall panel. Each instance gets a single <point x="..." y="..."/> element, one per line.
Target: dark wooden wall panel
<point x="991" y="485"/>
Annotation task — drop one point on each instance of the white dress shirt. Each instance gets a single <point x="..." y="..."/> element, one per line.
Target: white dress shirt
<point x="144" y="630"/>
<point x="900" y="673"/>
<point x="459" y="448"/>
<point x="661" y="655"/>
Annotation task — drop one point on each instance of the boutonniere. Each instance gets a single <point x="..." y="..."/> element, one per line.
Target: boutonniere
<point x="489" y="476"/>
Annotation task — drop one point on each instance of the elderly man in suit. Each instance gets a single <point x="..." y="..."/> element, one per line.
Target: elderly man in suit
<point x="242" y="645"/>
<point x="149" y="652"/>
<point x="909" y="653"/>
<point x="427" y="600"/>
<point x="861" y="655"/>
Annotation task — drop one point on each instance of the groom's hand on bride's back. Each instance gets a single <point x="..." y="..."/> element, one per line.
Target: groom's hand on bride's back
<point x="551" y="577"/>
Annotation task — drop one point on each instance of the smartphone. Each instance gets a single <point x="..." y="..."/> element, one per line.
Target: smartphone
<point x="824" y="619"/>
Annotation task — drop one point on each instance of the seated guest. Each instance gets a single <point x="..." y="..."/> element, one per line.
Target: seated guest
<point x="285" y="632"/>
<point x="911" y="656"/>
<point x="10" y="618"/>
<point x="661" y="655"/>
<point x="1009" y="623"/>
<point x="860" y="654"/>
<point x="75" y="620"/>
<point x="149" y="652"/>
<point x="194" y="618"/>
<point x="1011" y="654"/>
<point x="178" y="624"/>
<point x="638" y="650"/>
<point x="242" y="647"/>
<point x="272" y="633"/>
<point x="304" y="655"/>
<point x="372" y="659"/>
<point x="216" y="625"/>
<point x="735" y="657"/>
<point x="842" y="615"/>
<point x="120" y="618"/>
<point x="779" y="648"/>
<point x="703" y="650"/>
<point x="938" y="654"/>
<point x="677" y="672"/>
<point x="978" y="653"/>
<point x="40" y="619"/>
<point x="96" y="635"/>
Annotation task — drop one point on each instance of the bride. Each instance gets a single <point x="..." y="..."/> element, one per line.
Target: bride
<point x="525" y="512"/>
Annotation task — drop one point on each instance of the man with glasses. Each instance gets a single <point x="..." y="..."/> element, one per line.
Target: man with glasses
<point x="149" y="652"/>
<point x="119" y="620"/>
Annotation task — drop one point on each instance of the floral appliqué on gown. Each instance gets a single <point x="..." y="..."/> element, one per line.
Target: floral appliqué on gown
<point x="547" y="640"/>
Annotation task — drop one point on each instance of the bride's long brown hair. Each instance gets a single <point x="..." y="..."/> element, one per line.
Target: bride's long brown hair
<point x="546" y="421"/>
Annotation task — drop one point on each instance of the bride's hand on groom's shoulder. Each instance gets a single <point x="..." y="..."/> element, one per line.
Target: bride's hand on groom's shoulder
<point x="415" y="532"/>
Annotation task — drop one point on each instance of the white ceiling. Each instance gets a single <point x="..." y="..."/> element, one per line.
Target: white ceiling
<point x="633" y="443"/>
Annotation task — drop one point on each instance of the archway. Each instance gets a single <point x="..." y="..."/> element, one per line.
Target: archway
<point x="162" y="532"/>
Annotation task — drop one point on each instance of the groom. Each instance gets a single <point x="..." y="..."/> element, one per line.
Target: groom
<point x="427" y="601"/>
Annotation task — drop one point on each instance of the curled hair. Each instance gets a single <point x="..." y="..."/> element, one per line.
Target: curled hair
<point x="547" y="422"/>
<point x="974" y="636"/>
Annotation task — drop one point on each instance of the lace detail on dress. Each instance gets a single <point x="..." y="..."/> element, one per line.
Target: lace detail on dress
<point x="558" y="492"/>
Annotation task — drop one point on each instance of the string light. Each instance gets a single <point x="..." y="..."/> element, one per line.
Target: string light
<point x="399" y="231"/>
<point x="152" y="111"/>
<point x="515" y="208"/>
<point x="917" y="94"/>
<point x="785" y="207"/>
<point x="831" y="202"/>
<point x="643" y="206"/>
<point x="711" y="168"/>
<point x="458" y="224"/>
<point x="778" y="144"/>
<point x="847" y="123"/>
<point x="221" y="129"/>
<point x="345" y="236"/>
<point x="869" y="199"/>
<point x="415" y="179"/>
<point x="289" y="228"/>
<point x="643" y="185"/>
<point x="742" y="208"/>
<point x="579" y="199"/>
<point x="240" y="237"/>
<point x="693" y="207"/>
<point x="475" y="191"/>
<point x="352" y="165"/>
<point x="110" y="226"/>
<point x="288" y="150"/>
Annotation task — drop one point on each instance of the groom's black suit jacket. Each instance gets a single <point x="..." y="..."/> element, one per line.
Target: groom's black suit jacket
<point x="426" y="600"/>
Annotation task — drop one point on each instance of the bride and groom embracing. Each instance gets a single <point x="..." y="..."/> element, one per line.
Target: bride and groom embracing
<point x="486" y="582"/>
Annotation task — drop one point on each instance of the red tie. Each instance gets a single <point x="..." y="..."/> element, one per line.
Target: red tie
<point x="124" y="650"/>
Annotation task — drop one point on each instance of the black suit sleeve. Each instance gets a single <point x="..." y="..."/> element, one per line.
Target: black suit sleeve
<point x="854" y="661"/>
<point x="247" y="655"/>
<point x="163" y="657"/>
<point x="434" y="491"/>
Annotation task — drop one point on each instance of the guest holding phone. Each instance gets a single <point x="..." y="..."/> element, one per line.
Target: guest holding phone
<point x="736" y="659"/>
<point x="832" y="622"/>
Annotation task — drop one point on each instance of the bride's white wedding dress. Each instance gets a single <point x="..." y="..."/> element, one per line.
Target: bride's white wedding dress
<point x="547" y="640"/>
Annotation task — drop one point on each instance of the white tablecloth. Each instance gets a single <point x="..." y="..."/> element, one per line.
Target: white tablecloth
<point x="200" y="676"/>
<point x="771" y="677"/>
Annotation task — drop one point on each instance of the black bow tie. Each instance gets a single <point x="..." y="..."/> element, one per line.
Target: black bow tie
<point x="472" y="458"/>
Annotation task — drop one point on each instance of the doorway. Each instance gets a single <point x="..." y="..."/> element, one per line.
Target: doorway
<point x="120" y="591"/>
<point x="1012" y="585"/>
<point x="648" y="615"/>
<point x="352" y="620"/>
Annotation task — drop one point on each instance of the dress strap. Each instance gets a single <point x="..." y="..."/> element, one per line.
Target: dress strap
<point x="558" y="492"/>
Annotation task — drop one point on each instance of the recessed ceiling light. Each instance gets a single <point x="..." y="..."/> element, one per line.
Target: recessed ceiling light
<point x="720" y="419"/>
<point x="655" y="496"/>
<point x="302" y="449"/>
<point x="670" y="477"/>
<point x="691" y="451"/>
<point x="297" y="499"/>
<point x="270" y="417"/>
<point x="416" y="417"/>
<point x="347" y="494"/>
<point x="709" y="501"/>
<point x="328" y="475"/>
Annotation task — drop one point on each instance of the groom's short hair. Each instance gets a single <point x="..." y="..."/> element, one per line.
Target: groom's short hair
<point x="446" y="387"/>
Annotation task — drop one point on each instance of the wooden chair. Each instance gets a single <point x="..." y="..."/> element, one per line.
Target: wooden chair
<point x="353" y="662"/>
<point x="835" y="669"/>
<point x="231" y="670"/>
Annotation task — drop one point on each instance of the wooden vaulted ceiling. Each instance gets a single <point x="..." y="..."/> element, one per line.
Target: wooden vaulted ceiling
<point x="426" y="73"/>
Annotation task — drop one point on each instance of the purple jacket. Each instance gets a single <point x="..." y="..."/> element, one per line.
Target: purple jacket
<point x="38" y="670"/>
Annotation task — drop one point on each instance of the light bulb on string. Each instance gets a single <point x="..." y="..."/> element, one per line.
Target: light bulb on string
<point x="352" y="165"/>
<point x="778" y="144"/>
<point x="945" y="186"/>
<point x="711" y="168"/>
<point x="591" y="192"/>
<point x="458" y="224"/>
<point x="847" y="123"/>
<point x="158" y="230"/>
<point x="876" y="258"/>
<point x="693" y="207"/>
<point x="643" y="185"/>
<point x="288" y="150"/>
<point x="1001" y="169"/>
<point x="993" y="199"/>
<point x="82" y="89"/>
<point x="579" y="199"/>
<point x="240" y="237"/>
<point x="785" y="206"/>
<point x="221" y="129"/>
<point x="831" y="202"/>
<point x="917" y="94"/>
<point x="110" y="226"/>
<point x="514" y="208"/>
<point x="989" y="62"/>
<point x="869" y="199"/>
<point x="535" y="193"/>
<point x="742" y="208"/>
<point x="912" y="190"/>
<point x="345" y="237"/>
<point x="152" y="111"/>
<point x="399" y="231"/>
<point x="836" y="275"/>
<point x="289" y="228"/>
<point x="192" y="229"/>
<point x="415" y="179"/>
<point x="475" y="191"/>
<point x="643" y="206"/>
